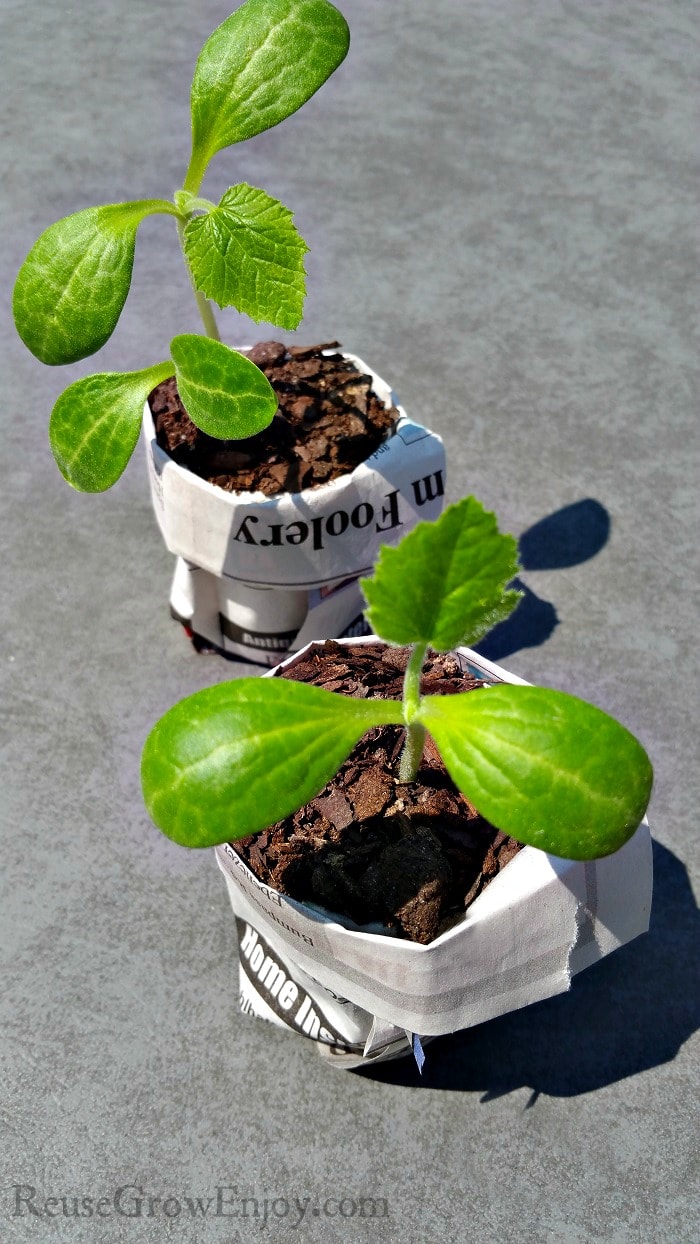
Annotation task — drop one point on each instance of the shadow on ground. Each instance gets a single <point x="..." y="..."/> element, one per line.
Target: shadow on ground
<point x="632" y="1011"/>
<point x="568" y="537"/>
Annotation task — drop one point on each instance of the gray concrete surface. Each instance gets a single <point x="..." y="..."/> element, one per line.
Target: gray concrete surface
<point x="501" y="200"/>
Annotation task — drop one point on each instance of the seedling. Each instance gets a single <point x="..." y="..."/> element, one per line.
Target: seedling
<point x="257" y="68"/>
<point x="543" y="766"/>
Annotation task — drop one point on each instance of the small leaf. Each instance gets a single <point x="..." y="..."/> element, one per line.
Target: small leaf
<point x="235" y="758"/>
<point x="543" y="766"/>
<point x="247" y="254"/>
<point x="95" y="425"/>
<point x="444" y="585"/>
<point x="71" y="288"/>
<point x="225" y="394"/>
<point x="257" y="68"/>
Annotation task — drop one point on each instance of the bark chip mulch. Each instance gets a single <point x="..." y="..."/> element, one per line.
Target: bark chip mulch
<point x="328" y="421"/>
<point x="411" y="857"/>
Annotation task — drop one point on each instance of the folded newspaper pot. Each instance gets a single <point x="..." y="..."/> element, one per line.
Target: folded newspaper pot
<point x="364" y="996"/>
<point x="260" y="576"/>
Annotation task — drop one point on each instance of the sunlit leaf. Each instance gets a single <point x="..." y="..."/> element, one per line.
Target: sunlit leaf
<point x="71" y="288"/>
<point x="225" y="394"/>
<point x="257" y="68"/>
<point x="444" y="584"/>
<point x="543" y="766"/>
<point x="247" y="254"/>
<point x="235" y="758"/>
<point x="95" y="425"/>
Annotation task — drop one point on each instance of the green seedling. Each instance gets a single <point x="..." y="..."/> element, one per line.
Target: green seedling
<point x="257" y="68"/>
<point x="543" y="766"/>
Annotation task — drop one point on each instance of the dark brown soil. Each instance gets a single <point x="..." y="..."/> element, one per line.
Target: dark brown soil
<point x="412" y="857"/>
<point x="328" y="421"/>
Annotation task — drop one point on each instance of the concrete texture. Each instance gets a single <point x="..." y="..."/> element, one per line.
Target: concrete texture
<point x="501" y="201"/>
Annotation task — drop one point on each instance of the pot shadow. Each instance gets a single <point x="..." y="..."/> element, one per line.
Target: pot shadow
<point x="631" y="1011"/>
<point x="568" y="537"/>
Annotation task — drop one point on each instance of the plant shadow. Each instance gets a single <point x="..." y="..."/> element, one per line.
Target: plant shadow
<point x="568" y="537"/>
<point x="532" y="622"/>
<point x="628" y="1013"/>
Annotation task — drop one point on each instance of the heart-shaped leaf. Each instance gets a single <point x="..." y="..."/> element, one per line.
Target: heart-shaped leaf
<point x="95" y="425"/>
<point x="247" y="254"/>
<point x="225" y="394"/>
<point x="545" y="767"/>
<point x="235" y="758"/>
<point x="71" y="288"/>
<point x="444" y="585"/>
<point x="257" y="68"/>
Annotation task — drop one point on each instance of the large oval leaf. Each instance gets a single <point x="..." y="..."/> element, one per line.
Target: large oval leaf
<point x="545" y="767"/>
<point x="257" y="68"/>
<point x="95" y="425"/>
<point x="233" y="759"/>
<point x="225" y="394"/>
<point x="246" y="253"/>
<point x="71" y="288"/>
<point x="444" y="584"/>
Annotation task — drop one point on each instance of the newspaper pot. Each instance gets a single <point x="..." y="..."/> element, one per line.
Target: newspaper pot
<point x="256" y="576"/>
<point x="364" y="996"/>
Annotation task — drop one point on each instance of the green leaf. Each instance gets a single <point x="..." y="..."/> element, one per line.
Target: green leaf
<point x="257" y="68"/>
<point x="444" y="585"/>
<point x="95" y="425"/>
<point x="247" y="254"/>
<point x="73" y="284"/>
<point x="545" y="767"/>
<point x="235" y="758"/>
<point x="225" y="394"/>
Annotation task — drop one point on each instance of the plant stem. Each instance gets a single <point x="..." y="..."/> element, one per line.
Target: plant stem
<point x="195" y="173"/>
<point x="211" y="327"/>
<point x="412" y="752"/>
<point x="415" y="732"/>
